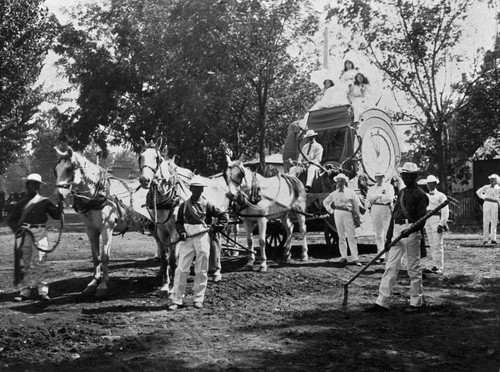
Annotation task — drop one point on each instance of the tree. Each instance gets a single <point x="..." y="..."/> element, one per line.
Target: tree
<point x="479" y="117"/>
<point x="204" y="74"/>
<point x="412" y="44"/>
<point x="27" y="31"/>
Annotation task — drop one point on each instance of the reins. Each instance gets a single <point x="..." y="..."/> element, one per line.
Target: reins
<point x="22" y="231"/>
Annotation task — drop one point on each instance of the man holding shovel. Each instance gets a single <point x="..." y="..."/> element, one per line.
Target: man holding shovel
<point x="193" y="225"/>
<point x="409" y="207"/>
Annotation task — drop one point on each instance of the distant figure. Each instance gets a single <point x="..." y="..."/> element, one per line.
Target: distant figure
<point x="291" y="148"/>
<point x="312" y="152"/>
<point x="358" y="94"/>
<point x="348" y="73"/>
<point x="343" y="203"/>
<point x="436" y="225"/>
<point x="491" y="196"/>
<point x="332" y="97"/>
<point x="381" y="197"/>
<point x="327" y="84"/>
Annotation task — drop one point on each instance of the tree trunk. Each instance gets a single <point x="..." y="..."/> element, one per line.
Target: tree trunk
<point x="262" y="141"/>
<point x="441" y="155"/>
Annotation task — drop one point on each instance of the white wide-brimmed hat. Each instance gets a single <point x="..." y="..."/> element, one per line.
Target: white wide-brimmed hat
<point x="35" y="177"/>
<point x="409" y="168"/>
<point x="198" y="181"/>
<point x="494" y="176"/>
<point x="341" y="176"/>
<point x="310" y="133"/>
<point x="431" y="179"/>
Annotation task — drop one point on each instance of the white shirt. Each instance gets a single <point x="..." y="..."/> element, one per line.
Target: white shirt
<point x="383" y="194"/>
<point x="312" y="151"/>
<point x="345" y="199"/>
<point x="435" y="198"/>
<point x="489" y="192"/>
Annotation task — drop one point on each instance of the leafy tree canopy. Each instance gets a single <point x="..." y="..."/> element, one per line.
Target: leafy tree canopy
<point x="207" y="75"/>
<point x="27" y="31"/>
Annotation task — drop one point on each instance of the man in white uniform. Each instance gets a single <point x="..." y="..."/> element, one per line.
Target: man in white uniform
<point x="341" y="203"/>
<point x="381" y="196"/>
<point x="436" y="225"/>
<point x="313" y="153"/>
<point x="193" y="222"/>
<point x="491" y="196"/>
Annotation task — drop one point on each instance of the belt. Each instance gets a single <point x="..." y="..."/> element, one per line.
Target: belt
<point x="342" y="209"/>
<point x="401" y="221"/>
<point x="387" y="204"/>
<point x="33" y="226"/>
<point x="491" y="200"/>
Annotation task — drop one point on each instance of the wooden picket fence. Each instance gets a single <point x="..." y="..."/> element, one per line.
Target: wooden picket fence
<point x="469" y="210"/>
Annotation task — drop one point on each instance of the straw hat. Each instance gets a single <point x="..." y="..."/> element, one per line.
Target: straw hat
<point x="35" y="177"/>
<point x="341" y="176"/>
<point x="494" y="176"/>
<point x="198" y="181"/>
<point x="409" y="168"/>
<point x="310" y="133"/>
<point x="431" y="179"/>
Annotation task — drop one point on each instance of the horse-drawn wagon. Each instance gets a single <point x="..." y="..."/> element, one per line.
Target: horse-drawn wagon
<point x="358" y="150"/>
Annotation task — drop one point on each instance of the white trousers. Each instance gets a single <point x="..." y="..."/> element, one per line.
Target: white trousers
<point x="312" y="173"/>
<point x="381" y="216"/>
<point x="35" y="269"/>
<point x="346" y="229"/>
<point x="198" y="246"/>
<point x="410" y="246"/>
<point x="490" y="215"/>
<point x="436" y="242"/>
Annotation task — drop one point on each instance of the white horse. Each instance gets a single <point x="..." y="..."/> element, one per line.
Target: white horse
<point x="262" y="199"/>
<point x="168" y="187"/>
<point x="103" y="202"/>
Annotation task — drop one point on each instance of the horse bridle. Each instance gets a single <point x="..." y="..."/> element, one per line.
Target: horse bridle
<point x="70" y="181"/>
<point x="159" y="160"/>
<point x="243" y="174"/>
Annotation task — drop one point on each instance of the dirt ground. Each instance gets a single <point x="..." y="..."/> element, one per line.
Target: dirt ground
<point x="288" y="319"/>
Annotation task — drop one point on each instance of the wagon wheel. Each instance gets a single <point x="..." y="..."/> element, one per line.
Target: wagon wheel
<point x="332" y="239"/>
<point x="275" y="235"/>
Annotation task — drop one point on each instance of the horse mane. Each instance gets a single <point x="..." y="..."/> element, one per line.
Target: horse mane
<point x="294" y="184"/>
<point x="87" y="166"/>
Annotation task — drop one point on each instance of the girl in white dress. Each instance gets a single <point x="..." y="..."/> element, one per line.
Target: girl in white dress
<point x="358" y="93"/>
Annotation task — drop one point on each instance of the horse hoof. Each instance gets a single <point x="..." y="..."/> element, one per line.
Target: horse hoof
<point x="217" y="278"/>
<point x="249" y="267"/>
<point x="101" y="292"/>
<point x="263" y="269"/>
<point x="89" y="290"/>
<point x="305" y="258"/>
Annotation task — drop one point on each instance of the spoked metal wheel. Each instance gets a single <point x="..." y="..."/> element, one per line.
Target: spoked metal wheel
<point x="275" y="235"/>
